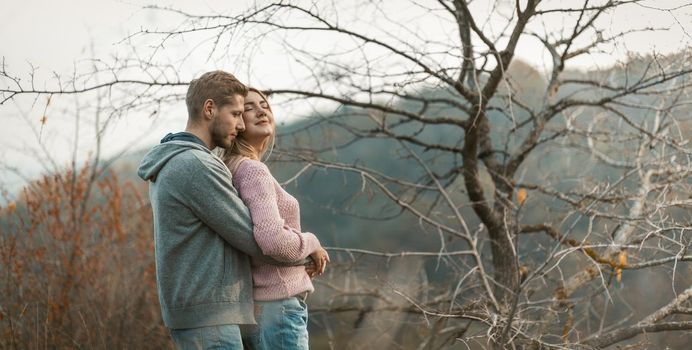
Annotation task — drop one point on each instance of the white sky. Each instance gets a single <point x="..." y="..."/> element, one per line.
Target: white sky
<point x="55" y="35"/>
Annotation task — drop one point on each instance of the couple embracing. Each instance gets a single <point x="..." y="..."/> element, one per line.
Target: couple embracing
<point x="233" y="267"/>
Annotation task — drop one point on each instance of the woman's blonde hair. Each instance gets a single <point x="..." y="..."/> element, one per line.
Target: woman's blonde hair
<point x="241" y="149"/>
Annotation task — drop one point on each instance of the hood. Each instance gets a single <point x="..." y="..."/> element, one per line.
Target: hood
<point x="159" y="155"/>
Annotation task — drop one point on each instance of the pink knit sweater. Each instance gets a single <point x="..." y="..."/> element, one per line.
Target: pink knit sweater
<point x="276" y="220"/>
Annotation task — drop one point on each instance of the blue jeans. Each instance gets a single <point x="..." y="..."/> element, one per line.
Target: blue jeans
<point x="221" y="337"/>
<point x="281" y="325"/>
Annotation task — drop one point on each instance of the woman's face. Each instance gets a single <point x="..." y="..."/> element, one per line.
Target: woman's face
<point x="258" y="118"/>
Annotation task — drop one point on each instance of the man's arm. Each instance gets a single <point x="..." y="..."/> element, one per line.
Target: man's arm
<point x="215" y="201"/>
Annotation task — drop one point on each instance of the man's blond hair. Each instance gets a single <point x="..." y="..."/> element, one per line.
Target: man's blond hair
<point x="219" y="86"/>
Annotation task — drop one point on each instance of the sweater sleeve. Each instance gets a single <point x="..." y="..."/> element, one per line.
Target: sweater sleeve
<point x="212" y="197"/>
<point x="276" y="239"/>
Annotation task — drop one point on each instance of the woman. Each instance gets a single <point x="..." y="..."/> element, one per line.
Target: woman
<point x="279" y="291"/>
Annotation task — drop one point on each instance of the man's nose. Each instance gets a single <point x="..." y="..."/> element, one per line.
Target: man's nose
<point x="241" y="125"/>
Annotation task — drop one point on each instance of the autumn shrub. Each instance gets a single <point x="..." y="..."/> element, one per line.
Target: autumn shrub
<point x="78" y="265"/>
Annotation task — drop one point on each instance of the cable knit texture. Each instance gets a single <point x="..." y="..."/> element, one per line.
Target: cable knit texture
<point x="276" y="220"/>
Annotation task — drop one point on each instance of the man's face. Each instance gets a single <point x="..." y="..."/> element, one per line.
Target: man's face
<point x="227" y="122"/>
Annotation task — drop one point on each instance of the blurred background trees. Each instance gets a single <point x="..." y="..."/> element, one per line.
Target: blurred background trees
<point x="471" y="199"/>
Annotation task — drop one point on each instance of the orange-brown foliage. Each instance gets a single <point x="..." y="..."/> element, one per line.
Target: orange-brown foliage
<point x="77" y="266"/>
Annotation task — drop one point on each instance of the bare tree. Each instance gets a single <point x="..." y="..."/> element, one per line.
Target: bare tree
<point x="543" y="188"/>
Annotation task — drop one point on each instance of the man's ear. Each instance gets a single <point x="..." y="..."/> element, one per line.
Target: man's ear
<point x="208" y="109"/>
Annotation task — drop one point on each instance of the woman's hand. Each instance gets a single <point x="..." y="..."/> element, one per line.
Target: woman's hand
<point x="320" y="258"/>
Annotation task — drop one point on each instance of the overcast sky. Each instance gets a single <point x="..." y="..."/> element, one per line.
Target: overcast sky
<point x="53" y="35"/>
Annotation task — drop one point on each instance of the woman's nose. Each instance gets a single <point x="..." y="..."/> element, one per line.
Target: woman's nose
<point x="261" y="112"/>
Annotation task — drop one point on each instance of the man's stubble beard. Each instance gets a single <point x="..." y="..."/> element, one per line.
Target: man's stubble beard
<point x="219" y="138"/>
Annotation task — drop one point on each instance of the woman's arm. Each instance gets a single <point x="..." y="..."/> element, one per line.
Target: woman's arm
<point x="255" y="185"/>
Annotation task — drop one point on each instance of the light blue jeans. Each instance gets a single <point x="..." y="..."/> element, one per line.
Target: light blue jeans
<point x="222" y="337"/>
<point x="281" y="325"/>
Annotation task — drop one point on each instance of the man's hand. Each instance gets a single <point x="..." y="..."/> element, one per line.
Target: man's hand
<point x="316" y="267"/>
<point x="310" y="268"/>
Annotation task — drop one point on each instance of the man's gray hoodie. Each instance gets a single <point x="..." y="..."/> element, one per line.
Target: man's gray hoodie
<point x="203" y="237"/>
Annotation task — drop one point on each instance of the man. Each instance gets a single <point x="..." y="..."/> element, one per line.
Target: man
<point x="203" y="231"/>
